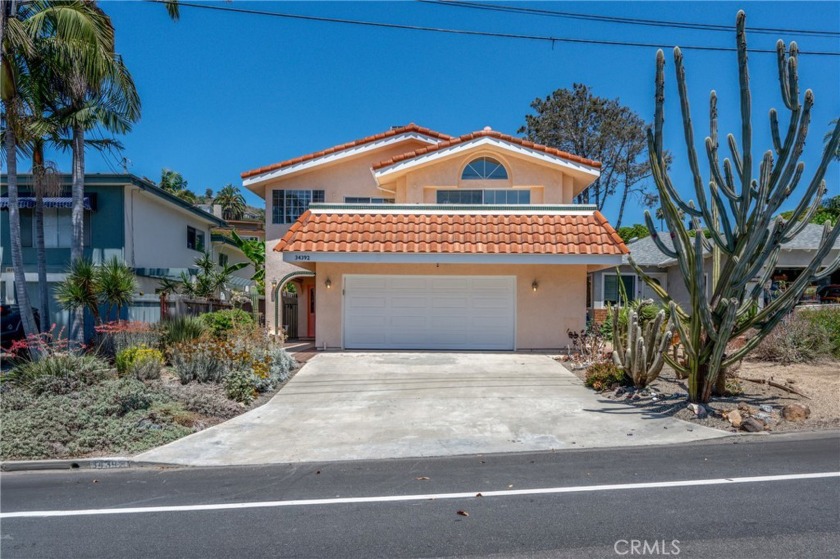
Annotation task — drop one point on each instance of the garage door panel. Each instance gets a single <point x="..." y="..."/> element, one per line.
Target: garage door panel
<point x="429" y="312"/>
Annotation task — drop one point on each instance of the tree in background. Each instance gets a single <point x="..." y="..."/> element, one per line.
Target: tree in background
<point x="737" y="211"/>
<point x="576" y="121"/>
<point x="174" y="183"/>
<point x="254" y="250"/>
<point x="231" y="201"/>
<point x="635" y="231"/>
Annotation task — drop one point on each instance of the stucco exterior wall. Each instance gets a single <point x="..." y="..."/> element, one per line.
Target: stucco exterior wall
<point x="156" y="233"/>
<point x="419" y="186"/>
<point x="349" y="177"/>
<point x="542" y="317"/>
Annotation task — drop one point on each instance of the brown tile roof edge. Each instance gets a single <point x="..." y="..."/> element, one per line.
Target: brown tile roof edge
<point x="341" y="147"/>
<point x="304" y="218"/>
<point x="285" y="239"/>
<point x="481" y="134"/>
<point x="613" y="233"/>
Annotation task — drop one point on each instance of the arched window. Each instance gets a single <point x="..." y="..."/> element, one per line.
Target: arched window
<point x="484" y="168"/>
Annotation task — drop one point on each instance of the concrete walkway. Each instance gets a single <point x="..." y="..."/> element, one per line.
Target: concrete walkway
<point x="347" y="406"/>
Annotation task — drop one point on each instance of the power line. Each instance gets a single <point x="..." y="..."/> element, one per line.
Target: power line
<point x="541" y="38"/>
<point x="623" y="20"/>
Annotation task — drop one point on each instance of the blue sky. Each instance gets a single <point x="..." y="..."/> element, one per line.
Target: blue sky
<point x="223" y="93"/>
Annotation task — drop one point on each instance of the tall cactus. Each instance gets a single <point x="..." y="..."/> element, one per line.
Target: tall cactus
<point x="641" y="351"/>
<point x="747" y="235"/>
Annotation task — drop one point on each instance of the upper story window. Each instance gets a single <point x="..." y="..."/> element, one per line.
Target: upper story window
<point x="483" y="196"/>
<point x="288" y="205"/>
<point x="223" y="260"/>
<point x="195" y="239"/>
<point x="58" y="228"/>
<point x="366" y="200"/>
<point x="484" y="168"/>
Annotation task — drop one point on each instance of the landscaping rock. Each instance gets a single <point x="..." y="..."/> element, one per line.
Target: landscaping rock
<point x="766" y="408"/>
<point x="796" y="412"/>
<point x="699" y="410"/>
<point x="752" y="425"/>
<point x="619" y="391"/>
<point x="734" y="417"/>
<point x="765" y="417"/>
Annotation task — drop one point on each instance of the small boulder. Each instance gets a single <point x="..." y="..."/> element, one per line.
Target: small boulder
<point x="699" y="410"/>
<point x="796" y="412"/>
<point x="766" y="408"/>
<point x="765" y="417"/>
<point x="734" y="417"/>
<point x="619" y="391"/>
<point x="752" y="425"/>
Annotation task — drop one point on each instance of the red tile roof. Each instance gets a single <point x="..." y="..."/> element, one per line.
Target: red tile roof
<point x="452" y="233"/>
<point x="341" y="147"/>
<point x="482" y="134"/>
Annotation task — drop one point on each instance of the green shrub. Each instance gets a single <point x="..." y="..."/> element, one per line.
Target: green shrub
<point x="829" y="320"/>
<point x="601" y="376"/>
<point x="240" y="386"/>
<point x="58" y="372"/>
<point x="141" y="362"/>
<point x="204" y="399"/>
<point x="182" y="329"/>
<point x="795" y="339"/>
<point x="222" y="322"/>
<point x="112" y="417"/>
<point x="201" y="360"/>
<point x="113" y="337"/>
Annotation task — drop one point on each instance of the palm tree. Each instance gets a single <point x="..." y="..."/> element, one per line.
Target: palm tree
<point x="116" y="285"/>
<point x="174" y="183"/>
<point x="68" y="28"/>
<point x="80" y="291"/>
<point x="231" y="201"/>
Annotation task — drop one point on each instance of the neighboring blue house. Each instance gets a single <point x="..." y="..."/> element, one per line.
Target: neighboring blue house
<point x="154" y="232"/>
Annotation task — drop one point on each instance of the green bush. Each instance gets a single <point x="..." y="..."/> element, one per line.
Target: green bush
<point x="796" y="339"/>
<point x="114" y="416"/>
<point x="204" y="399"/>
<point x="240" y="386"/>
<point x="222" y="322"/>
<point x="141" y="362"/>
<point x="182" y="329"/>
<point x="58" y="372"/>
<point x="829" y="320"/>
<point x="200" y="360"/>
<point x="601" y="376"/>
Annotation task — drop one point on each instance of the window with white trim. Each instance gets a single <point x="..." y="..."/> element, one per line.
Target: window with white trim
<point x="288" y="205"/>
<point x="58" y="228"/>
<point x="484" y="168"/>
<point x="506" y="196"/>
<point x="367" y="200"/>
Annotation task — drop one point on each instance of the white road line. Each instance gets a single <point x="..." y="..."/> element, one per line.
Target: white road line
<point x="428" y="497"/>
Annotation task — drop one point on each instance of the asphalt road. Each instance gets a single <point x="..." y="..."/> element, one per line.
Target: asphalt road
<point x="761" y="518"/>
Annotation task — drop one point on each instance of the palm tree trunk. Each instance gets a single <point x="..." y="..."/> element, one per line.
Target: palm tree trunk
<point x="623" y="203"/>
<point x="78" y="217"/>
<point x="27" y="317"/>
<point x="40" y="248"/>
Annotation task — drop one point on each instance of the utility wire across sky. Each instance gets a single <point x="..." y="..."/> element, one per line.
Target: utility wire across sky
<point x="541" y="38"/>
<point x="624" y="20"/>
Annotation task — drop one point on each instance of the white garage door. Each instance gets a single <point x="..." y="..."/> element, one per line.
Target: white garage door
<point x="429" y="312"/>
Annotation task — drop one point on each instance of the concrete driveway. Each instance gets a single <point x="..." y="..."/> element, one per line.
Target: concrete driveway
<point x="347" y="406"/>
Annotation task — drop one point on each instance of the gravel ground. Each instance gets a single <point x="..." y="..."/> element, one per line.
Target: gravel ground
<point x="820" y="381"/>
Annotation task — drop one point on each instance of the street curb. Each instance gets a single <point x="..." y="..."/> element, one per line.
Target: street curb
<point x="114" y="463"/>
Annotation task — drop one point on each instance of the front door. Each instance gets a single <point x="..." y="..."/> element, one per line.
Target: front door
<point x="310" y="326"/>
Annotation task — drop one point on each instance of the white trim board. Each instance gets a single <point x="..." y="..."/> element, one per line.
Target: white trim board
<point x="492" y="141"/>
<point x="432" y="258"/>
<point x="337" y="156"/>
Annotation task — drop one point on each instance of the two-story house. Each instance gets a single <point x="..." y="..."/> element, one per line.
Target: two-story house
<point x="154" y="232"/>
<point x="413" y="239"/>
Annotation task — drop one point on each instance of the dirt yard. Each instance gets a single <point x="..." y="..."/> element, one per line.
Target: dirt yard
<point x="819" y="382"/>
